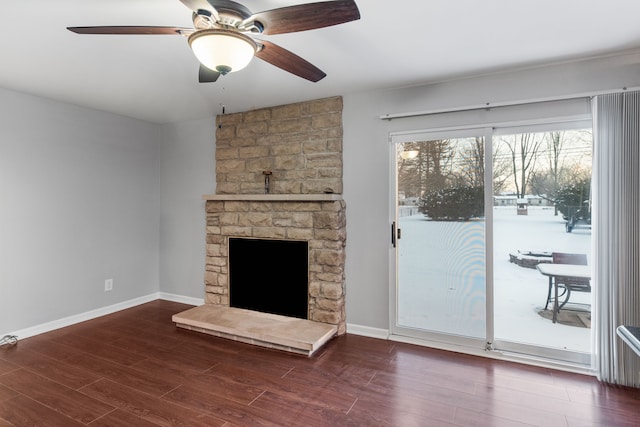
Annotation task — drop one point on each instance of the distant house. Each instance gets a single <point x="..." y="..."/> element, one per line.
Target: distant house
<point x="512" y="199"/>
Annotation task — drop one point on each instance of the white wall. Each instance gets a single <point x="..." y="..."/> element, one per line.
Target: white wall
<point x="187" y="173"/>
<point x="79" y="203"/>
<point x="80" y="192"/>
<point x="366" y="155"/>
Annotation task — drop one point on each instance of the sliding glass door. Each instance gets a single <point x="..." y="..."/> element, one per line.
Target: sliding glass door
<point x="441" y="237"/>
<point x="542" y="214"/>
<point x="475" y="212"/>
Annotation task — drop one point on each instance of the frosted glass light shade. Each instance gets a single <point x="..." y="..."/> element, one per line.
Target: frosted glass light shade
<point x="224" y="51"/>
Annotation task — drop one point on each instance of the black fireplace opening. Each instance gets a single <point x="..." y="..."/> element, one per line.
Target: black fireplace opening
<point x="271" y="276"/>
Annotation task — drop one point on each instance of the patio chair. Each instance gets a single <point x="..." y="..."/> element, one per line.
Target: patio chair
<point x="568" y="284"/>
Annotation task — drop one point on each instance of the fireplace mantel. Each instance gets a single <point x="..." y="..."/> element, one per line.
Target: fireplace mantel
<point x="273" y="197"/>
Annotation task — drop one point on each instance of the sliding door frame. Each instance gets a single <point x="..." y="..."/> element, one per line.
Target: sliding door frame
<point x="489" y="346"/>
<point x="441" y="340"/>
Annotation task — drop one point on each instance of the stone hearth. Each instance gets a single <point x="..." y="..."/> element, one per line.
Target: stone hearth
<point x="252" y="327"/>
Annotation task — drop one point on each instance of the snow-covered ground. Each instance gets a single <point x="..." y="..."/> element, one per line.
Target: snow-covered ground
<point x="442" y="277"/>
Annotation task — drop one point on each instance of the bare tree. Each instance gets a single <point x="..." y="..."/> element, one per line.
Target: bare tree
<point x="547" y="183"/>
<point x="555" y="145"/>
<point x="409" y="169"/>
<point x="523" y="152"/>
<point x="430" y="168"/>
<point x="438" y="156"/>
<point x="472" y="163"/>
<point x="567" y="155"/>
<point x="473" y="169"/>
<point x="501" y="169"/>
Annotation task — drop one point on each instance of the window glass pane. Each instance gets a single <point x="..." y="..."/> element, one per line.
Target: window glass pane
<point x="441" y="252"/>
<point x="542" y="206"/>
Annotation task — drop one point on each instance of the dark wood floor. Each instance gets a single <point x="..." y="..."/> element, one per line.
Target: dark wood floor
<point x="134" y="368"/>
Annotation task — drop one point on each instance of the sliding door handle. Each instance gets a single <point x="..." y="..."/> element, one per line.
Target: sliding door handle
<point x="393" y="234"/>
<point x="396" y="234"/>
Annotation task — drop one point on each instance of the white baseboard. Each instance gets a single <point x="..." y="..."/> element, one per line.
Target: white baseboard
<point x="103" y="311"/>
<point x="181" y="299"/>
<point x="367" y="331"/>
<point x="77" y="318"/>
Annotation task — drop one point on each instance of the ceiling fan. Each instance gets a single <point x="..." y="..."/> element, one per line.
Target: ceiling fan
<point x="223" y="41"/>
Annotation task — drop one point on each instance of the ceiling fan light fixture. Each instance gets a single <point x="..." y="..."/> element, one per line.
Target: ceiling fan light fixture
<point x="222" y="50"/>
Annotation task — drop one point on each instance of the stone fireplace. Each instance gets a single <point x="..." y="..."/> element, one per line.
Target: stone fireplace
<point x="298" y="147"/>
<point x="319" y="219"/>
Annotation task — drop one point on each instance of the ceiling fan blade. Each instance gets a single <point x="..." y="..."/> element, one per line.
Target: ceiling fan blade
<point x="207" y="75"/>
<point x="288" y="61"/>
<point x="174" y="31"/>
<point x="308" y="16"/>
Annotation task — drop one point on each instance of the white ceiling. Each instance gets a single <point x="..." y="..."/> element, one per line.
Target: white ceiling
<point x="395" y="43"/>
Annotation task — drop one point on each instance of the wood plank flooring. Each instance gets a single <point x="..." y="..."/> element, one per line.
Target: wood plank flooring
<point x="135" y="368"/>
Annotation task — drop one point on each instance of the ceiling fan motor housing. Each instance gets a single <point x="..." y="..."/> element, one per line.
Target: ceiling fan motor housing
<point x="222" y="50"/>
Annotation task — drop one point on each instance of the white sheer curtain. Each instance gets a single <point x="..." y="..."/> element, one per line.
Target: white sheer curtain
<point x="616" y="219"/>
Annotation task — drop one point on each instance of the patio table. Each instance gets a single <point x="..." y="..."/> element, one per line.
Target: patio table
<point x="553" y="271"/>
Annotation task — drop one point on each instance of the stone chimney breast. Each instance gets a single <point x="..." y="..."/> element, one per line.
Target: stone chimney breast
<point x="299" y="148"/>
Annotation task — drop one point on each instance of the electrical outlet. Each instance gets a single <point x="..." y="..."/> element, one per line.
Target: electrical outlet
<point x="108" y="285"/>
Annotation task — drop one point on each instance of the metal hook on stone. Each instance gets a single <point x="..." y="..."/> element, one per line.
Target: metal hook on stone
<point x="267" y="181"/>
